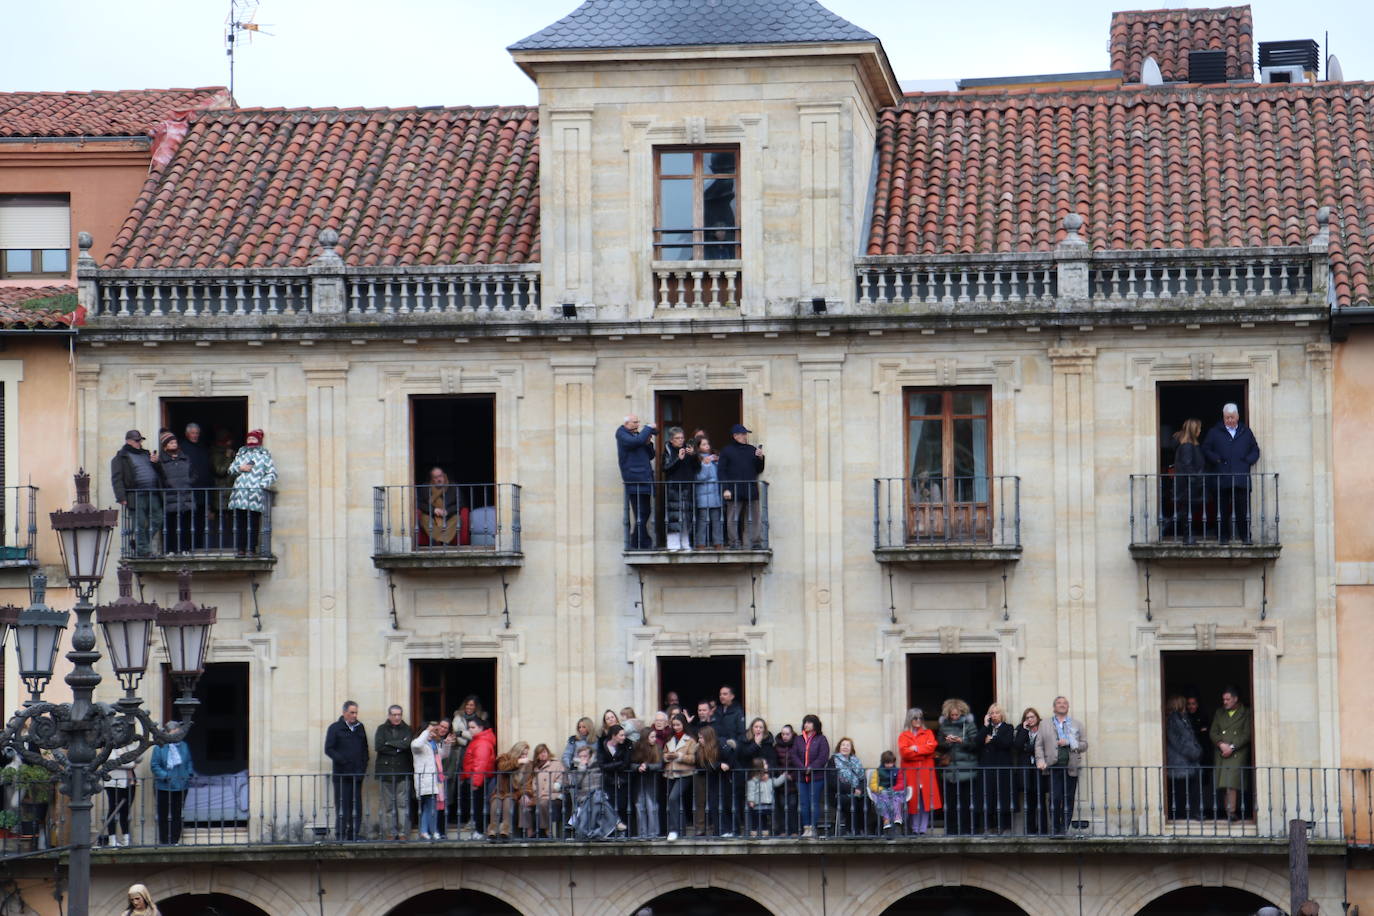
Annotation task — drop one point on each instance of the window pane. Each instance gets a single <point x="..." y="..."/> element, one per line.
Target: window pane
<point x="971" y="402"/>
<point x="718" y="203"/>
<point x="720" y="163"/>
<point x="925" y="442"/>
<point x="971" y="459"/>
<point x="675" y="204"/>
<point x="675" y="163"/>
<point x="54" y="260"/>
<point x="19" y="261"/>
<point x="667" y="253"/>
<point x="923" y="403"/>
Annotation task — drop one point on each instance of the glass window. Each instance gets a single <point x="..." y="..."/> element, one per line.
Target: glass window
<point x="54" y="260"/>
<point x="18" y="261"/>
<point x="948" y="444"/>
<point x="698" y="209"/>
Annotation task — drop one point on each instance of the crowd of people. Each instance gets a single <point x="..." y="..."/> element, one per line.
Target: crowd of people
<point x="712" y="771"/>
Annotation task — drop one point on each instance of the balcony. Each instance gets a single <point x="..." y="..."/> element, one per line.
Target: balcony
<point x="204" y="530"/>
<point x="18" y="528"/>
<point x="946" y="520"/>
<point x="1202" y="517"/>
<point x="1116" y="809"/>
<point x="683" y="287"/>
<point x="667" y="523"/>
<point x="455" y="526"/>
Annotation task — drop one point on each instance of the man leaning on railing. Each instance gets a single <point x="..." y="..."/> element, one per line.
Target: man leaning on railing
<point x="137" y="477"/>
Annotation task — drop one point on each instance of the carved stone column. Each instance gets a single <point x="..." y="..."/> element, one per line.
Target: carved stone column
<point x="1323" y="548"/>
<point x="574" y="598"/>
<point x="1073" y="422"/>
<point x="822" y="527"/>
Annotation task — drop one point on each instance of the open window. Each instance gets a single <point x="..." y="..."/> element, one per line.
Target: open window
<point x="219" y="735"/>
<point x="453" y="468"/>
<point x="1204" y="675"/>
<point x="439" y="686"/>
<point x="1180" y="401"/>
<point x="969" y="676"/>
<point x="713" y="412"/>
<point x="35" y="236"/>
<point x="223" y="422"/>
<point x="948" y="463"/>
<point x="696" y="679"/>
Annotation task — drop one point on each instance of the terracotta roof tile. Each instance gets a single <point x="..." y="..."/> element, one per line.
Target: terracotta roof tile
<point x="13" y="315"/>
<point x="254" y="187"/>
<point x="100" y="114"/>
<point x="1174" y="167"/>
<point x="1168" y="36"/>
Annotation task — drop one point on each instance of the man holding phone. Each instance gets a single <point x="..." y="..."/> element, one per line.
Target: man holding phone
<point x="739" y="468"/>
<point x="138" y="479"/>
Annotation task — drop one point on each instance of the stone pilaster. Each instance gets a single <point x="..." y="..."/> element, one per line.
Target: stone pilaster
<point x="1323" y="549"/>
<point x="566" y="191"/>
<point x="574" y="604"/>
<point x="327" y="553"/>
<point x="822" y="526"/>
<point x="1073" y="422"/>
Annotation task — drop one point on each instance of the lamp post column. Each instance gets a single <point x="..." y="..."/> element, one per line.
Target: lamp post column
<point x="81" y="751"/>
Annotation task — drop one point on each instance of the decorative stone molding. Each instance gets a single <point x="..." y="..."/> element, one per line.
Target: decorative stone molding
<point x="507" y="646"/>
<point x="148" y="384"/>
<point x="753" y="378"/>
<point x="895" y="643"/>
<point x="646" y="644"/>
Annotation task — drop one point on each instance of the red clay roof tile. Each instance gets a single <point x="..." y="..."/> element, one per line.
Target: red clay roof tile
<point x="128" y="113"/>
<point x="254" y="187"/>
<point x="1168" y="36"/>
<point x="1174" y="167"/>
<point x="12" y="315"/>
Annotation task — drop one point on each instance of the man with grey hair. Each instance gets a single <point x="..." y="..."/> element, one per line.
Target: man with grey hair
<point x="636" y="449"/>
<point x="345" y="744"/>
<point x="1231" y="451"/>
<point x="393" y="768"/>
<point x="202" y="477"/>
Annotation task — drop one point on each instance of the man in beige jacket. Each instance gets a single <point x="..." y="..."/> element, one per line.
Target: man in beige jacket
<point x="1059" y="749"/>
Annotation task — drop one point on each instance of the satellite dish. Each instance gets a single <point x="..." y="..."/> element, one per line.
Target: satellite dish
<point x="1149" y="73"/>
<point x="1333" y="70"/>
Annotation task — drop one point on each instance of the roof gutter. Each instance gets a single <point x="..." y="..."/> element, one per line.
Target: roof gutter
<point x="1343" y="319"/>
<point x="130" y="138"/>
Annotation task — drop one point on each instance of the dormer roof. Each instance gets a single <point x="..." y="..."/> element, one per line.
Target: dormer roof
<point x="603" y="24"/>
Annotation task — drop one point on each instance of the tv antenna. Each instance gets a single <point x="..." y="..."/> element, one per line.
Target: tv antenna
<point x="239" y="20"/>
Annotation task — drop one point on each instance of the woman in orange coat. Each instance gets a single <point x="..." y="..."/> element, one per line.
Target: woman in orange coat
<point x="916" y="748"/>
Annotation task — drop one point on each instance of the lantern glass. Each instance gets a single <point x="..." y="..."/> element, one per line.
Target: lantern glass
<point x="128" y="641"/>
<point x="84" y="551"/>
<point x="37" y="646"/>
<point x="187" y="646"/>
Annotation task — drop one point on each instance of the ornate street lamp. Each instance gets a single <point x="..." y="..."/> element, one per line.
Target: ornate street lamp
<point x="82" y="736"/>
<point x="9" y="619"/>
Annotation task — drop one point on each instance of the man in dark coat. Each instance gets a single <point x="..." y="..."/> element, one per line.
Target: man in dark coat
<point x="202" y="478"/>
<point x="345" y="744"/>
<point x="635" y="447"/>
<point x="393" y="768"/>
<point x="1231" y="451"/>
<point x="740" y="464"/>
<point x="138" y="481"/>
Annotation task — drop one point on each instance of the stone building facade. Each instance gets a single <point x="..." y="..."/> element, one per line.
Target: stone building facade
<point x="351" y="272"/>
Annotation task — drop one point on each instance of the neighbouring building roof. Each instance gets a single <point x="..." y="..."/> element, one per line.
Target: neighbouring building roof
<point x="1174" y="167"/>
<point x="38" y="307"/>
<point x="254" y="187"/>
<point x="1168" y="36"/>
<point x="101" y="114"/>
<point x="679" y="23"/>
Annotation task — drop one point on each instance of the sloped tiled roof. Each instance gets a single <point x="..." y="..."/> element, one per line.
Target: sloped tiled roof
<point x="1179" y="167"/>
<point x="99" y="114"/>
<point x="253" y="188"/>
<point x="679" y="23"/>
<point x="1168" y="36"/>
<point x="12" y="316"/>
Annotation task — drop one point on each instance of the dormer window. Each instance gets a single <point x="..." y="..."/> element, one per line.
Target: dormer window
<point x="697" y="215"/>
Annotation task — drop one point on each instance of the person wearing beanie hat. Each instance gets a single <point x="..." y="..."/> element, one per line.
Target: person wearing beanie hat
<point x="178" y="499"/>
<point x="253" y="473"/>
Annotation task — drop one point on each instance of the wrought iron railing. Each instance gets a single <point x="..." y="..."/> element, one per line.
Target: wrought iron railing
<point x="975" y="511"/>
<point x="1205" y="509"/>
<point x="18" y="526"/>
<point x="446" y="519"/>
<point x="201" y="522"/>
<point x="715" y="515"/>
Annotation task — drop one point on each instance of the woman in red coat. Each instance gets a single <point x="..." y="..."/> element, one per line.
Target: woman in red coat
<point x="916" y="748"/>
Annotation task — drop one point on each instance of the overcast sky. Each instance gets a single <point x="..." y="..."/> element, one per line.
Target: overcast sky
<point x="452" y="52"/>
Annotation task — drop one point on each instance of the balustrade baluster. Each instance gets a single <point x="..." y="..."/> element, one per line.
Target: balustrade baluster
<point x="663" y="302"/>
<point x="882" y="286"/>
<point x="863" y="286"/>
<point x="930" y="286"/>
<point x="732" y="299"/>
<point x="1147" y="283"/>
<point x="696" y="289"/>
<point x="483" y="295"/>
<point x="467" y="295"/>
<point x="997" y="286"/>
<point x="1249" y="279"/>
<point x="1267" y="280"/>
<point x="963" y="285"/>
<point x="451" y="307"/>
<point x="980" y="293"/>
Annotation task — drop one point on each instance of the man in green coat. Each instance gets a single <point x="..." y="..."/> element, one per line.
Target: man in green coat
<point x="393" y="768"/>
<point x="1231" y="735"/>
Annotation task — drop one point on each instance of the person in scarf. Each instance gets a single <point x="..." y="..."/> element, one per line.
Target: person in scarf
<point x="254" y="473"/>
<point x="850" y="810"/>
<point x="439" y="507"/>
<point x="430" y="750"/>
<point x="887" y="788"/>
<point x="172" y="773"/>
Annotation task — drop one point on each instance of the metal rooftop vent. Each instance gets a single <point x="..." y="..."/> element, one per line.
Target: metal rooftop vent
<point x="1304" y="53"/>
<point x="1206" y="66"/>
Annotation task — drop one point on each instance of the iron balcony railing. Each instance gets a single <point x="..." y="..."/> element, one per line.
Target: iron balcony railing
<point x="451" y="518"/>
<point x="18" y="526"/>
<point x="1205" y="509"/>
<point x="201" y="522"/>
<point x="975" y="511"/>
<point x="1107" y="803"/>
<point x="716" y="515"/>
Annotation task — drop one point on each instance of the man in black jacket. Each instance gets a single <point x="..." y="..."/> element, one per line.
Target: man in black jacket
<point x="393" y="768"/>
<point x="345" y="744"/>
<point x="137" y="478"/>
<point x="1231" y="451"/>
<point x="202" y="478"/>
<point x="738" y="472"/>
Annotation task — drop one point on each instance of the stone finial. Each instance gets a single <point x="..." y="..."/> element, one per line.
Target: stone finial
<point x="328" y="254"/>
<point x="1322" y="237"/>
<point x="1072" y="223"/>
<point x="85" y="241"/>
<point x="126" y="581"/>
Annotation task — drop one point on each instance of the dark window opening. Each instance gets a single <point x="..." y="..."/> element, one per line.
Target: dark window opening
<point x="218" y="740"/>
<point x="703" y="901"/>
<point x="697" y="679"/>
<point x="457" y="434"/>
<point x="1205" y="901"/>
<point x="439" y="686"/>
<point x="223" y="425"/>
<point x="714" y="412"/>
<point x="453" y="903"/>
<point x="972" y="677"/>
<point x="954" y="901"/>
<point x="697" y="204"/>
<point x="1204" y="675"/>
<point x="207" y="905"/>
<point x="1180" y="401"/>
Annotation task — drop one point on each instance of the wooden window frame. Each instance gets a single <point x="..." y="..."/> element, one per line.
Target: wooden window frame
<point x="699" y="177"/>
<point x="37" y="255"/>
<point x="947" y="416"/>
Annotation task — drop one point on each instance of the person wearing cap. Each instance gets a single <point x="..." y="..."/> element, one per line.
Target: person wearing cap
<point x="253" y="472"/>
<point x="634" y="444"/>
<point x="137" y="478"/>
<point x="178" y="500"/>
<point x="740" y="464"/>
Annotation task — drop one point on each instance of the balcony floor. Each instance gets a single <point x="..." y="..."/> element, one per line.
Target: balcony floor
<point x="461" y="558"/>
<point x="920" y="554"/>
<point x="200" y="563"/>
<point x="1176" y="552"/>
<point x="698" y="557"/>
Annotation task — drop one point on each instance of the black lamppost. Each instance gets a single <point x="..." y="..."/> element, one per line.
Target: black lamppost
<point x="81" y="737"/>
